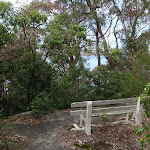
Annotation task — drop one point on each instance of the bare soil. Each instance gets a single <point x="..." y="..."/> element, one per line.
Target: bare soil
<point x="52" y="132"/>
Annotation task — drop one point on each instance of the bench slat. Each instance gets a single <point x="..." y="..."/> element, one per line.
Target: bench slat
<point x="77" y="112"/>
<point x="79" y="104"/>
<point x="107" y="110"/>
<point x="110" y="109"/>
<point x="104" y="102"/>
<point x="115" y="112"/>
<point x="116" y="101"/>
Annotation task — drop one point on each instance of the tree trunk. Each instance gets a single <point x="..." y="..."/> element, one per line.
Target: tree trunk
<point x="97" y="49"/>
<point x="111" y="62"/>
<point x="71" y="59"/>
<point x="105" y="52"/>
<point x="2" y="92"/>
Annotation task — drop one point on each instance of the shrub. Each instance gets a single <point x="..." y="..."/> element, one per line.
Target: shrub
<point x="42" y="104"/>
<point x="106" y="82"/>
<point x="112" y="84"/>
<point x="145" y="130"/>
<point x="145" y="96"/>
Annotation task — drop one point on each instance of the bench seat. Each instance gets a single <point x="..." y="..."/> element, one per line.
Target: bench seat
<point x="109" y="107"/>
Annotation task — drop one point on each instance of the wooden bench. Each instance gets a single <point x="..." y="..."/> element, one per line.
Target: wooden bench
<point x="128" y="106"/>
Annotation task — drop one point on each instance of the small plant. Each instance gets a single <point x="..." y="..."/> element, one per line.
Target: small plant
<point x="105" y="118"/>
<point x="145" y="130"/>
<point x="84" y="146"/>
<point x="145" y="134"/>
<point x="42" y="104"/>
<point x="145" y="97"/>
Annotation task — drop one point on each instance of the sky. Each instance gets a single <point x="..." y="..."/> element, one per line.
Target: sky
<point x="17" y="3"/>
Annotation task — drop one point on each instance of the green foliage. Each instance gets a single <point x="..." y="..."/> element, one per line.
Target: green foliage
<point x="30" y="18"/>
<point x="110" y="84"/>
<point x="115" y="54"/>
<point x="145" y="96"/>
<point x="106" y="82"/>
<point x="5" y="8"/>
<point x="24" y="75"/>
<point x="70" y="87"/>
<point x="42" y="104"/>
<point x="36" y="16"/>
<point x="64" y="42"/>
<point x="5" y="37"/>
<point x="105" y="118"/>
<point x="5" y="13"/>
<point x="145" y="130"/>
<point x="24" y="79"/>
<point x="130" y="85"/>
<point x="84" y="146"/>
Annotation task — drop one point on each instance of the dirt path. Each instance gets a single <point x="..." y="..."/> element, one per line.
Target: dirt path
<point x="43" y="135"/>
<point x="51" y="132"/>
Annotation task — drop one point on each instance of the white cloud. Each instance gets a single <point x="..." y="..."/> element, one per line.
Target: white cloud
<point x="18" y="3"/>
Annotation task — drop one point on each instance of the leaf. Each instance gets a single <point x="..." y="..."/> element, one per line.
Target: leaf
<point x="142" y="141"/>
<point x="148" y="136"/>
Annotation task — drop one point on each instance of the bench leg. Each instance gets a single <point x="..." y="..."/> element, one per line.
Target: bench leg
<point x="138" y="117"/>
<point x="82" y="121"/>
<point x="138" y="114"/>
<point x="127" y="119"/>
<point x="88" y="118"/>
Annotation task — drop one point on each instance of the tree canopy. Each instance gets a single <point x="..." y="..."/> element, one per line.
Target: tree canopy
<point x="41" y="47"/>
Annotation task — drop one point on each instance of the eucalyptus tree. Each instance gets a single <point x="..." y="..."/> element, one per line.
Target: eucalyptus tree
<point x="23" y="70"/>
<point x="133" y="15"/>
<point x="95" y="17"/>
<point x="130" y="30"/>
<point x="5" y="39"/>
<point x="122" y="21"/>
<point x="64" y="42"/>
<point x="27" y="23"/>
<point x="6" y="33"/>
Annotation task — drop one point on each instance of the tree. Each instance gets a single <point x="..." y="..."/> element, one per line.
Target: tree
<point x="24" y="73"/>
<point x="41" y="44"/>
<point x="5" y="39"/>
<point x="124" y="19"/>
<point x="64" y="42"/>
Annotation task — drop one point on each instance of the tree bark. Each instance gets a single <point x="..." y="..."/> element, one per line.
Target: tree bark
<point x="97" y="49"/>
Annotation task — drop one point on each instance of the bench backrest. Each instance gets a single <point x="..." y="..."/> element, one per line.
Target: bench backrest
<point x="92" y="108"/>
<point x="105" y="102"/>
<point x="131" y="106"/>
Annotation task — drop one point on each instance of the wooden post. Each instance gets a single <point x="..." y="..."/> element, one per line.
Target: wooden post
<point x="82" y="119"/>
<point x="88" y="118"/>
<point x="127" y="118"/>
<point x="138" y="113"/>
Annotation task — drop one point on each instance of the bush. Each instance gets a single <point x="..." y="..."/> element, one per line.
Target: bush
<point x="106" y="82"/>
<point x="145" y="96"/>
<point x="130" y="85"/>
<point x="23" y="80"/>
<point x="112" y="84"/>
<point x="42" y="104"/>
<point x="145" y="130"/>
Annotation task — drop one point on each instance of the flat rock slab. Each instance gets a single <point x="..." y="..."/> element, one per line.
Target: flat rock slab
<point x="43" y="135"/>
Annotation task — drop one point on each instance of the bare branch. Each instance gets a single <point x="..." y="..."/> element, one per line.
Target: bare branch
<point x="115" y="33"/>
